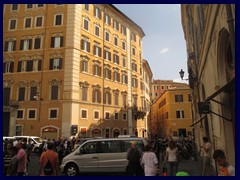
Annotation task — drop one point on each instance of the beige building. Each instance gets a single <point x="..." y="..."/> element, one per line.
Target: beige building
<point x="72" y="69"/>
<point x="210" y="37"/>
<point x="171" y="114"/>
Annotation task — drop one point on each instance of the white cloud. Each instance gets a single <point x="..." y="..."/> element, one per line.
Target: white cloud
<point x="164" y="50"/>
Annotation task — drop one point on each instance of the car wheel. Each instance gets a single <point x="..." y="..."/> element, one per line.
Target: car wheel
<point x="71" y="170"/>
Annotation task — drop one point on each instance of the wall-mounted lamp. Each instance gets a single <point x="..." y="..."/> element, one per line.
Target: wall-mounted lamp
<point x="182" y="74"/>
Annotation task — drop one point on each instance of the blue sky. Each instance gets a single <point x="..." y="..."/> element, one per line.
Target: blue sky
<point x="164" y="46"/>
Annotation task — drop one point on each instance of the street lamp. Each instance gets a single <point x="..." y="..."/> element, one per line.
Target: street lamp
<point x="182" y="74"/>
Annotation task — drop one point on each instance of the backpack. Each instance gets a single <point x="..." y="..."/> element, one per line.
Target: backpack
<point x="48" y="170"/>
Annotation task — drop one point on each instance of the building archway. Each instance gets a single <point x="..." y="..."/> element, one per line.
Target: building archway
<point x="50" y="132"/>
<point x="96" y="133"/>
<point x="116" y="132"/>
<point x="226" y="73"/>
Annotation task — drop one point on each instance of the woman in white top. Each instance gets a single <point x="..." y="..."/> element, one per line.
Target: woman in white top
<point x="171" y="157"/>
<point x="150" y="162"/>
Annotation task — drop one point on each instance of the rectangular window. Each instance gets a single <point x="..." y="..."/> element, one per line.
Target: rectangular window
<point x="124" y="79"/>
<point x="96" y="115"/>
<point x="29" y="65"/>
<point x="133" y="37"/>
<point x="26" y="44"/>
<point x="107" y="19"/>
<point x="189" y="97"/>
<point x="86" y="7"/>
<point x="107" y="36"/>
<point x="19" y="130"/>
<point x="180" y="114"/>
<point x="124" y="63"/>
<point x="96" y="70"/>
<point x="58" y="20"/>
<point x="33" y="93"/>
<point x="97" y="13"/>
<point x="84" y="93"/>
<point x="134" y="82"/>
<point x="13" y="23"/>
<point x="21" y="94"/>
<point x="85" y="45"/>
<point x="107" y="74"/>
<point x="134" y="67"/>
<point x="116" y="76"/>
<point x="28" y="22"/>
<point x="116" y="58"/>
<point x="178" y="98"/>
<point x="29" y="6"/>
<point x="37" y="43"/>
<point x="6" y="97"/>
<point x="123" y="45"/>
<point x="133" y="51"/>
<point x="116" y="99"/>
<point x="53" y="113"/>
<point x="116" y="25"/>
<point x="39" y="21"/>
<point x="115" y="116"/>
<point x="10" y="46"/>
<point x="115" y="41"/>
<point x="97" y="51"/>
<point x="124" y="96"/>
<point x="20" y="114"/>
<point x="83" y="114"/>
<point x="55" y="64"/>
<point x="8" y="67"/>
<point x="124" y="116"/>
<point x="31" y="114"/>
<point x="86" y="24"/>
<point x="107" y="115"/>
<point x="57" y="42"/>
<point x="123" y="30"/>
<point x="54" y="92"/>
<point x="14" y="7"/>
<point x="96" y="30"/>
<point x="107" y="55"/>
<point x="84" y="66"/>
<point x="96" y="96"/>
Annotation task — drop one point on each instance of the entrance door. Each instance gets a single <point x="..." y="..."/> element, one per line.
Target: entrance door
<point x="182" y="132"/>
<point x="6" y="121"/>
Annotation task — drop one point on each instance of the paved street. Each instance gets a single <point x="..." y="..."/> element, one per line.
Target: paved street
<point x="190" y="166"/>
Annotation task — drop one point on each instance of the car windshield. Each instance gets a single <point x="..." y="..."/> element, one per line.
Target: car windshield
<point x="38" y="140"/>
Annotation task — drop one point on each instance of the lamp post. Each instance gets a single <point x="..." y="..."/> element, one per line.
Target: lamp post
<point x="182" y="74"/>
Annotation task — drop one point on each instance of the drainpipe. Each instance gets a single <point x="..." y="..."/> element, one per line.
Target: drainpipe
<point x="230" y="22"/>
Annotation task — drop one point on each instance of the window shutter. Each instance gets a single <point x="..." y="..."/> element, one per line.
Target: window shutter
<point x="104" y="98"/>
<point x="126" y="79"/>
<point x="110" y="98"/>
<point x="88" y="46"/>
<point x="52" y="41"/>
<point x="99" y="96"/>
<point x="39" y="65"/>
<point x="100" y="52"/>
<point x="94" y="50"/>
<point x="14" y="45"/>
<point x="110" y="74"/>
<point x="82" y="43"/>
<point x="51" y="64"/>
<point x="21" y="94"/>
<point x="60" y="63"/>
<point x="6" y="46"/>
<point x="19" y="66"/>
<point x="118" y="77"/>
<point x="11" y="67"/>
<point x="104" y="54"/>
<point x="4" y="67"/>
<point x="29" y="65"/>
<point x="100" y="71"/>
<point x="21" y="44"/>
<point x="37" y="43"/>
<point x="110" y="56"/>
<point x="30" y="44"/>
<point x="61" y="41"/>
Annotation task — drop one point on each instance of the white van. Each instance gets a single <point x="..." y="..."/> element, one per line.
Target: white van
<point x="35" y="140"/>
<point x="100" y="155"/>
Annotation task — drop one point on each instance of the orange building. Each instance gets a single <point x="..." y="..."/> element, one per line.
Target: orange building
<point x="171" y="114"/>
<point x="71" y="69"/>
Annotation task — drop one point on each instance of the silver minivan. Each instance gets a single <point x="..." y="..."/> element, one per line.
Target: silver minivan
<point x="100" y="155"/>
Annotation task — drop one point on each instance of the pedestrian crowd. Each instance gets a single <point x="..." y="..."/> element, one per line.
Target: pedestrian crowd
<point x="17" y="156"/>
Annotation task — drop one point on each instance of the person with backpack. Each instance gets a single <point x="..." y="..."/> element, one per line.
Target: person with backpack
<point x="48" y="163"/>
